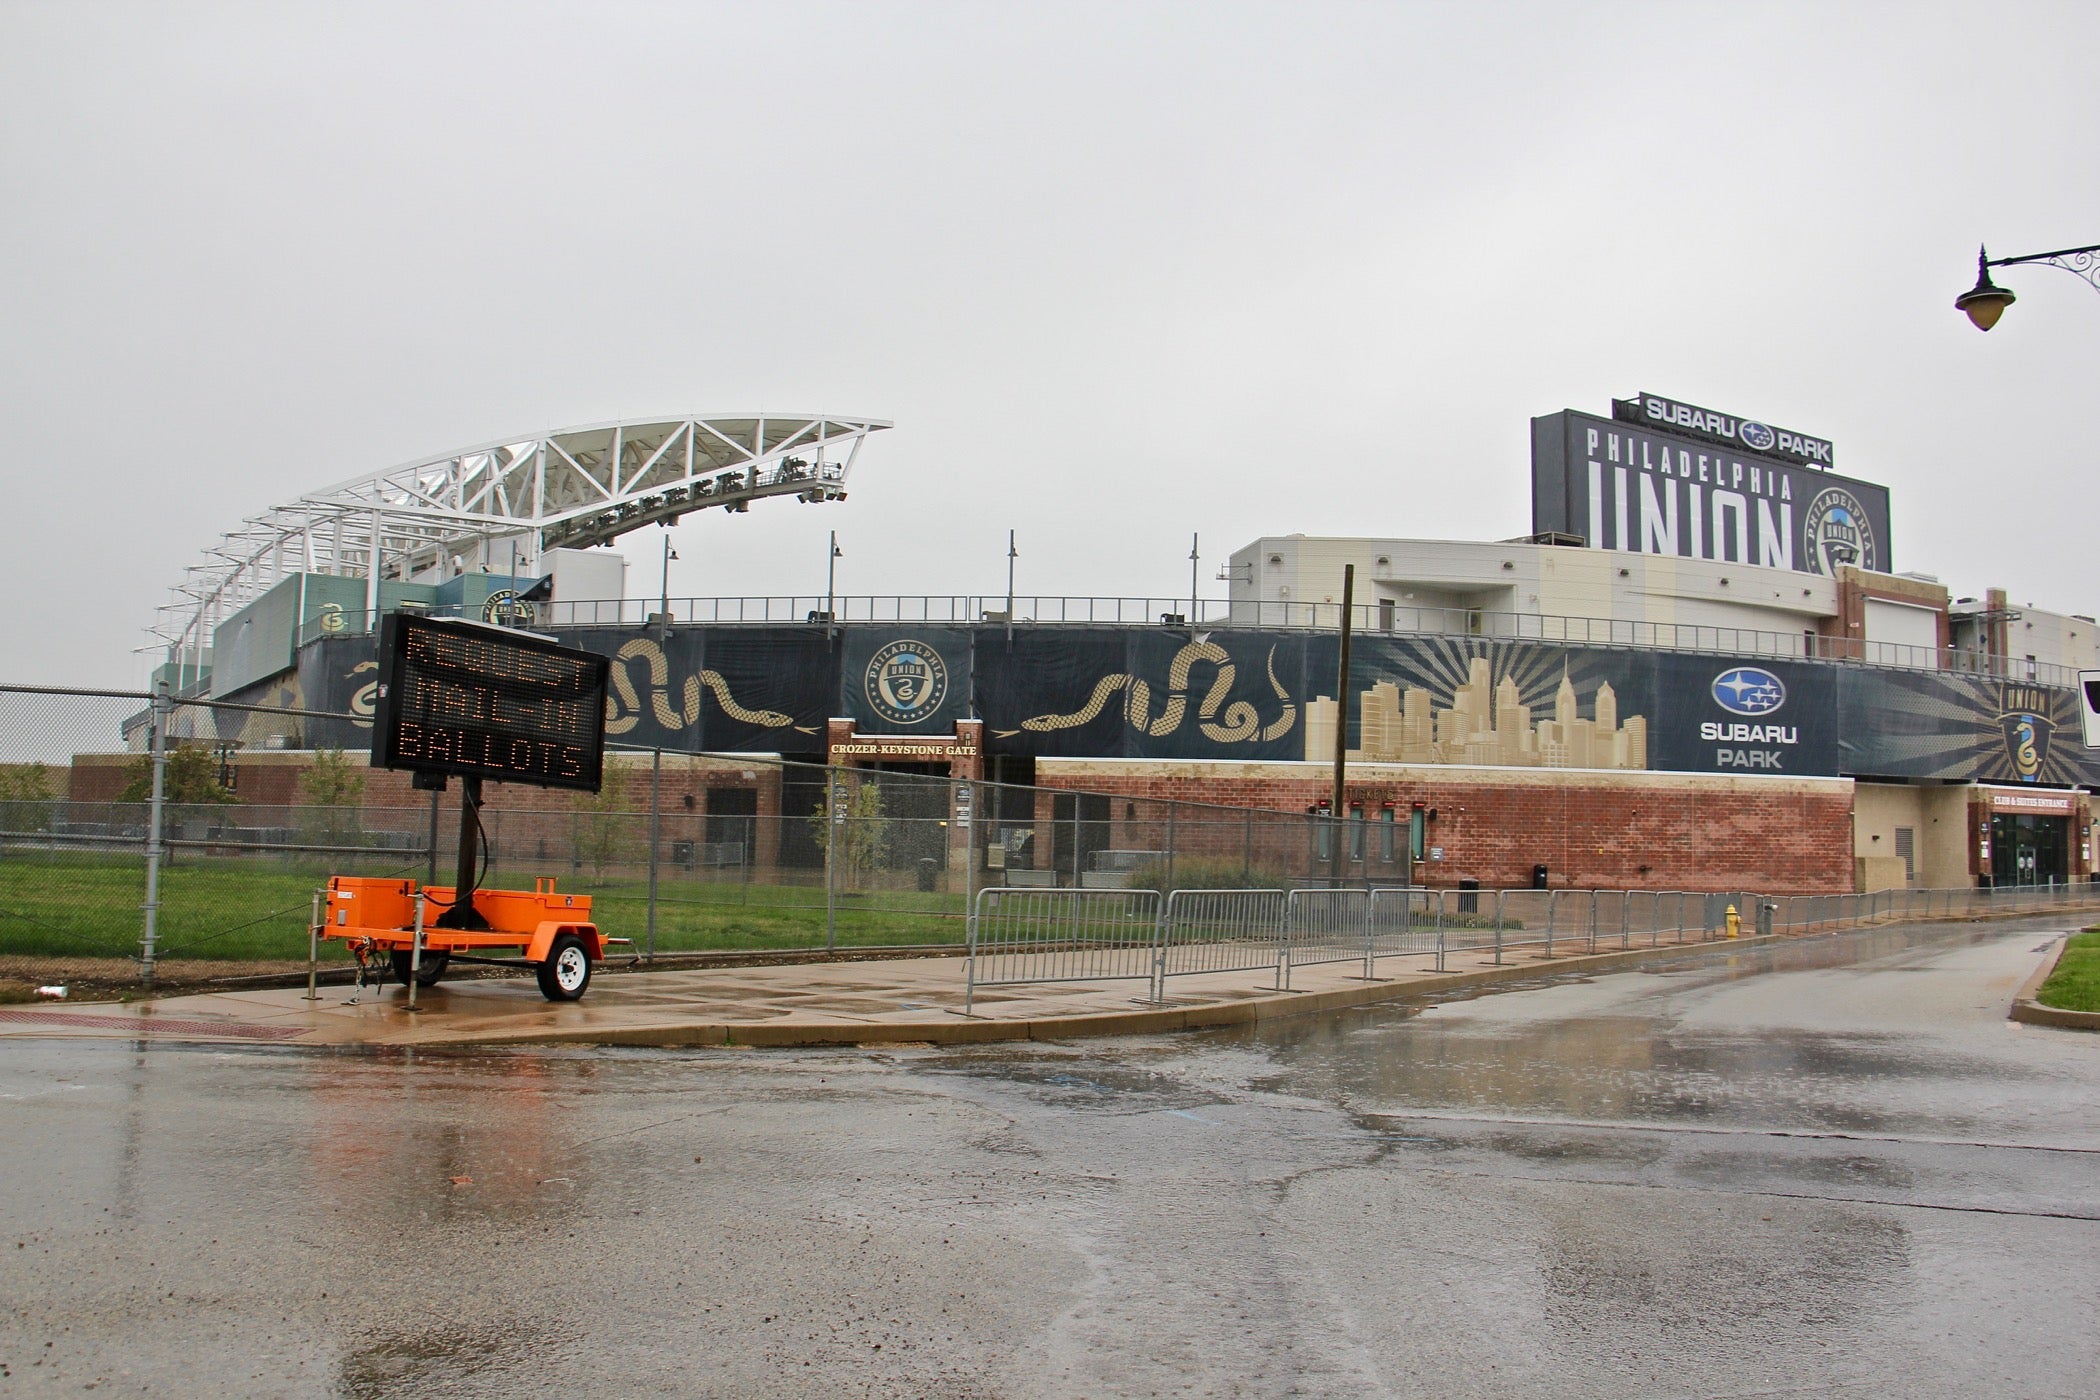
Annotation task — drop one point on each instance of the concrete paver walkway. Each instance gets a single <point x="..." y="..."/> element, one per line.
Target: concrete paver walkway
<point x="916" y="999"/>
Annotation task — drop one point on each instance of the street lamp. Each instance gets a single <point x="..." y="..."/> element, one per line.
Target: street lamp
<point x="831" y="578"/>
<point x="664" y="619"/>
<point x="1985" y="302"/>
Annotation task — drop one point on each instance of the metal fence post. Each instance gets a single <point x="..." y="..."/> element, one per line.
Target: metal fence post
<point x="156" y="845"/>
<point x="656" y="787"/>
<point x="313" y="948"/>
<point x="415" y="955"/>
<point x="835" y="816"/>
<point x="1498" y="928"/>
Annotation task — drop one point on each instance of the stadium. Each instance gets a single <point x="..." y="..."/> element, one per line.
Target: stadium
<point x="1698" y="670"/>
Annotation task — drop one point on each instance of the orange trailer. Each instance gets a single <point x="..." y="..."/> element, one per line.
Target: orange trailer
<point x="541" y="928"/>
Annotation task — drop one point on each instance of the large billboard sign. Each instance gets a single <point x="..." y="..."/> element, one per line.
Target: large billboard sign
<point x="1627" y="486"/>
<point x="485" y="702"/>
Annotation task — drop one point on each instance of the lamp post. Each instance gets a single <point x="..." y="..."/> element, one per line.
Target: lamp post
<point x="1985" y="302"/>
<point x="664" y="617"/>
<point x="831" y="578"/>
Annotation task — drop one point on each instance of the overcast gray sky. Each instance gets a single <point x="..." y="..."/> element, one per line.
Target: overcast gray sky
<point x="1118" y="272"/>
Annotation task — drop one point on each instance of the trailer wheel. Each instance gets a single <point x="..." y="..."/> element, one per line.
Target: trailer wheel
<point x="427" y="976"/>
<point x="567" y="971"/>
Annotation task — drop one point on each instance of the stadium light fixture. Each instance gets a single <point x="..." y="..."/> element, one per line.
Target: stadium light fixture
<point x="1985" y="302"/>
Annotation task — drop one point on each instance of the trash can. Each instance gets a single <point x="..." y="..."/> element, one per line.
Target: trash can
<point x="1468" y="896"/>
<point x="1538" y="877"/>
<point x="927" y="867"/>
<point x="1765" y="910"/>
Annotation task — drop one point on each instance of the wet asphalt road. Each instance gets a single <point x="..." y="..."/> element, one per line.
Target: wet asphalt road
<point x="1832" y="1169"/>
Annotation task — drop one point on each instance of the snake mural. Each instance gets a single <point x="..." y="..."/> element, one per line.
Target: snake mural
<point x="675" y="709"/>
<point x="1218" y="718"/>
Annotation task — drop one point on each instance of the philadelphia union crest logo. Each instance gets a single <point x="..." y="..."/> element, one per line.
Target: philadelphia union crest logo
<point x="1837" y="531"/>
<point x="906" y="682"/>
<point x="2026" y="719"/>
<point x="506" y="607"/>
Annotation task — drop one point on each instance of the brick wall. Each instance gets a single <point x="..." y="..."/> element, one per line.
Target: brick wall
<point x="1590" y="829"/>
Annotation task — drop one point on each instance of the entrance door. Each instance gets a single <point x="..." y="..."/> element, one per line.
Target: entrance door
<point x="914" y="816"/>
<point x="2030" y="850"/>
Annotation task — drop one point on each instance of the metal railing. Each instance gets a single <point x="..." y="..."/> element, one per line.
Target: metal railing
<point x="1021" y="936"/>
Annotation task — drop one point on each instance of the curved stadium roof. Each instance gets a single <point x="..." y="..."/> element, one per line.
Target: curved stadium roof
<point x="572" y="487"/>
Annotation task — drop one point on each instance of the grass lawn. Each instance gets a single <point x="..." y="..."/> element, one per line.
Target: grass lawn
<point x="67" y="903"/>
<point x="2075" y="985"/>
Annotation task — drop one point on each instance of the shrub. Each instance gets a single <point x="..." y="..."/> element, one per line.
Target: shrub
<point x="1205" y="873"/>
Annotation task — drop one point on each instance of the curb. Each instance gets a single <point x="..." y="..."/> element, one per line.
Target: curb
<point x="2028" y="1011"/>
<point x="956" y="1030"/>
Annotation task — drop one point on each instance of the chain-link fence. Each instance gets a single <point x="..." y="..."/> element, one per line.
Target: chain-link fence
<point x="681" y="852"/>
<point x="689" y="853"/>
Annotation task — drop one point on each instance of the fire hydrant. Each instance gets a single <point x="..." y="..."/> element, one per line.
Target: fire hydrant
<point x="1735" y="922"/>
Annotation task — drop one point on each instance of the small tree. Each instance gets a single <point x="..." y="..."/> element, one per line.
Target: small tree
<point x="193" y="777"/>
<point x="25" y="782"/>
<point x="864" y="845"/>
<point x="28" y="786"/>
<point x="602" y="831"/>
<point x="334" y="789"/>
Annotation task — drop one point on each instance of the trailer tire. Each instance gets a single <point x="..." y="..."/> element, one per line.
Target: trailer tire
<point x="427" y="976"/>
<point x="567" y="972"/>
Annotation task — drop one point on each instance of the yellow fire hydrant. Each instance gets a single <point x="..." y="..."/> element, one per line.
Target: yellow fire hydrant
<point x="1735" y="922"/>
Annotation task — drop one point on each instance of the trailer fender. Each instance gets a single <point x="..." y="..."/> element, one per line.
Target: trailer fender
<point x="543" y="940"/>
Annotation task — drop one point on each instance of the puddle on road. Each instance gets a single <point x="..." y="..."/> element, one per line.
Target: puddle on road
<point x="440" y="1356"/>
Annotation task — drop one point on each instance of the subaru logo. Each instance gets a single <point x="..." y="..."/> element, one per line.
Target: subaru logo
<point x="1749" y="691"/>
<point x="1758" y="438"/>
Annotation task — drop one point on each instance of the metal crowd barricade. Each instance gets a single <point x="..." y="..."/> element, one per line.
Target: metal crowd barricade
<point x="1222" y="931"/>
<point x="1525" y="918"/>
<point x="1035" y="934"/>
<point x="1403" y="922"/>
<point x="1323" y="926"/>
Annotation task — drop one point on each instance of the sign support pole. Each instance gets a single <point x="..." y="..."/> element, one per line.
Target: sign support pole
<point x="1341" y="728"/>
<point x="461" y="914"/>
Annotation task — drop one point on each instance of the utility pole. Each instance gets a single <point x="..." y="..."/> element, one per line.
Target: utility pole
<point x="1341" y="726"/>
<point x="1011" y="555"/>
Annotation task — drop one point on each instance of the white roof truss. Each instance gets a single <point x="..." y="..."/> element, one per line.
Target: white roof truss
<point x="570" y="488"/>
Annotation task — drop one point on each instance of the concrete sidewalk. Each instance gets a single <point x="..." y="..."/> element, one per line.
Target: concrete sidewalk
<point x="917" y="999"/>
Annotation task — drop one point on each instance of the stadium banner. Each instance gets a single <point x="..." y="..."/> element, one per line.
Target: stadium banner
<point x="1940" y="724"/>
<point x="1447" y="700"/>
<point x="1151" y="692"/>
<point x="1717" y="714"/>
<point x="1634" y="488"/>
<point x="910" y="680"/>
<point x="1130" y="692"/>
<point x="730" y="689"/>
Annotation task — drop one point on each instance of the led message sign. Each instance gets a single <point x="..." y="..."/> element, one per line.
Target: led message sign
<point x="485" y="702"/>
